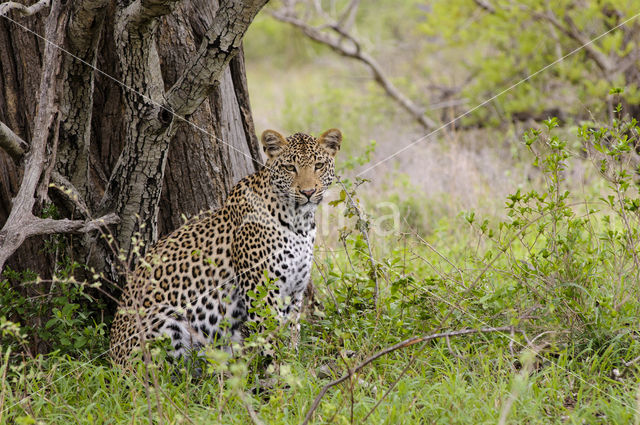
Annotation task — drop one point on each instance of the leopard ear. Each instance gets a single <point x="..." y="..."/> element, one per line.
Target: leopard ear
<point x="272" y="143"/>
<point x="330" y="141"/>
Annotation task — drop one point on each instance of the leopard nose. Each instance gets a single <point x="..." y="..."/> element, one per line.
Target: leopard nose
<point x="307" y="192"/>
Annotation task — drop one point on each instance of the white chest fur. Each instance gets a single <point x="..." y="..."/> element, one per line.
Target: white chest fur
<point x="294" y="269"/>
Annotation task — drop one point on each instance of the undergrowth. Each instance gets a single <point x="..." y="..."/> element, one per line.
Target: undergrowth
<point x="559" y="273"/>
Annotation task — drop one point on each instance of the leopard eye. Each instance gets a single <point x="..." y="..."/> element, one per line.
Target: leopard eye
<point x="319" y="165"/>
<point x="289" y="167"/>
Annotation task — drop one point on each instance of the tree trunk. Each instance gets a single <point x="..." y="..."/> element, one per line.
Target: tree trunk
<point x="122" y="143"/>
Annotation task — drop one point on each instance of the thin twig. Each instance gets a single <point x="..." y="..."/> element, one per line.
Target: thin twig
<point x="484" y="4"/>
<point x="452" y="351"/>
<point x="350" y="372"/>
<point x="432" y="248"/>
<point x="569" y="29"/>
<point x="395" y="382"/>
<point x="365" y="233"/>
<point x="47" y="117"/>
<point x="4" y="366"/>
<point x="326" y="284"/>
<point x="348" y="17"/>
<point x="182" y="410"/>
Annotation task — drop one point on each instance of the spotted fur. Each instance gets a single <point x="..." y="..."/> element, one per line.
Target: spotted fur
<point x="193" y="285"/>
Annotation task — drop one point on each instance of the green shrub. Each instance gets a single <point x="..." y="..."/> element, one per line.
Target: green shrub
<point x="54" y="315"/>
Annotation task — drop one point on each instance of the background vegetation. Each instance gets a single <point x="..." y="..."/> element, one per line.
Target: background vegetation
<point x="521" y="215"/>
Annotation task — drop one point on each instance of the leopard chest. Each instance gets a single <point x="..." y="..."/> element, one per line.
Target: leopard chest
<point x="294" y="260"/>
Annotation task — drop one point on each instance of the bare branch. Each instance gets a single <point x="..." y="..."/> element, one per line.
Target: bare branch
<point x="12" y="233"/>
<point x="349" y="15"/>
<point x="22" y="9"/>
<point x="570" y="30"/>
<point x="12" y="237"/>
<point x="49" y="226"/>
<point x="365" y="234"/>
<point x="353" y="50"/>
<point x="404" y="344"/>
<point x="11" y="143"/>
<point x="220" y="44"/>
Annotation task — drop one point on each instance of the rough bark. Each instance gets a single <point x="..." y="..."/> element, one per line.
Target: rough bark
<point x="85" y="27"/>
<point x="40" y="157"/>
<point x="135" y="186"/>
<point x="211" y="172"/>
<point x="220" y="43"/>
<point x="118" y="146"/>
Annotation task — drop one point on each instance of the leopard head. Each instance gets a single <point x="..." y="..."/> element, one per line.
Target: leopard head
<point x="300" y="166"/>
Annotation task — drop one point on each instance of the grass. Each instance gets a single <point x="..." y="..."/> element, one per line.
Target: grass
<point x="469" y="388"/>
<point x="561" y="272"/>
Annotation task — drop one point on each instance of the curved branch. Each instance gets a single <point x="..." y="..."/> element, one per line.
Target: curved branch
<point x="354" y="51"/>
<point x="572" y="31"/>
<point x="11" y="237"/>
<point x="11" y="143"/>
<point x="220" y="44"/>
<point x="568" y="28"/>
<point x="22" y="9"/>
<point x="348" y="17"/>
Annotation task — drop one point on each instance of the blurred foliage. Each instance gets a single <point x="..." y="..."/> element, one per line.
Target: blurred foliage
<point x="508" y="41"/>
<point x="464" y="52"/>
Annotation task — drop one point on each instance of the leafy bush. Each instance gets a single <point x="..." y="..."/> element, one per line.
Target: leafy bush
<point x="57" y="318"/>
<point x="566" y="265"/>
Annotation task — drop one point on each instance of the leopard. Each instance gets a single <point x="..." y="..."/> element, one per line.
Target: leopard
<point x="196" y="285"/>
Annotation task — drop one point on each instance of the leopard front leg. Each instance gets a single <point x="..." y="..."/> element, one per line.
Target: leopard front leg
<point x="293" y="319"/>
